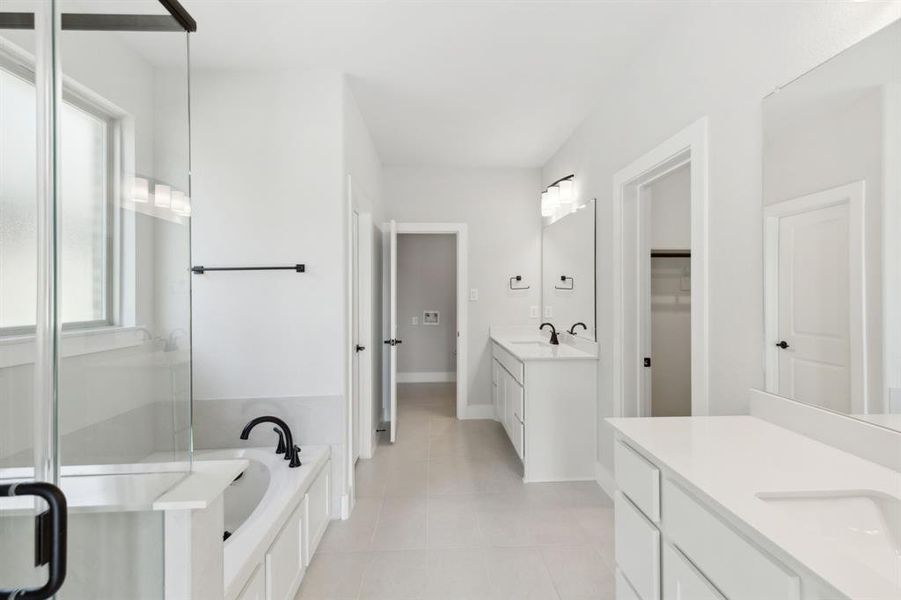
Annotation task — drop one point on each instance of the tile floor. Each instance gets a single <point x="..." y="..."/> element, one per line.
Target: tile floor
<point x="443" y="514"/>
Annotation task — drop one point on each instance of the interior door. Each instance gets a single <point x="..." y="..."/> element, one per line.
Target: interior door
<point x="392" y="340"/>
<point x="814" y="345"/>
<point x="355" y="335"/>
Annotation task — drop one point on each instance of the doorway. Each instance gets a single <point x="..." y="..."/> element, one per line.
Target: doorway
<point x="665" y="214"/>
<point x="660" y="282"/>
<point x="425" y="321"/>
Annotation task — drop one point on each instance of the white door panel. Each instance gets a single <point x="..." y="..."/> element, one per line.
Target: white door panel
<point x="815" y="334"/>
<point x="392" y="328"/>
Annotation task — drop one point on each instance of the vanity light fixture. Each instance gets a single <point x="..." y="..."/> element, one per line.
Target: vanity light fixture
<point x="567" y="194"/>
<point x="559" y="199"/>
<point x="162" y="196"/>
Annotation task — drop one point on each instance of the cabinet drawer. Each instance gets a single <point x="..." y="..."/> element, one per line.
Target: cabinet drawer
<point x="681" y="581"/>
<point x="317" y="502"/>
<point x="638" y="479"/>
<point x="624" y="589"/>
<point x="509" y="362"/>
<point x="284" y="560"/>
<point x="637" y="549"/>
<point x="255" y="588"/>
<point x="738" y="569"/>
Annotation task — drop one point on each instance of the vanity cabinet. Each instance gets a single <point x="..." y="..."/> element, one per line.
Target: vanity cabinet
<point x="671" y="545"/>
<point x="548" y="410"/>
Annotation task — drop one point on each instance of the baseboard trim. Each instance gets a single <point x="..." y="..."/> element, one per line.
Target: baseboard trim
<point x="605" y="479"/>
<point x="479" y="411"/>
<point x="427" y="377"/>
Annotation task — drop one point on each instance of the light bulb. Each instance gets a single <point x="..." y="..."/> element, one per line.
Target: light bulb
<point x="140" y="190"/>
<point x="162" y="196"/>
<point x="178" y="202"/>
<point x="567" y="193"/>
<point x="546" y="209"/>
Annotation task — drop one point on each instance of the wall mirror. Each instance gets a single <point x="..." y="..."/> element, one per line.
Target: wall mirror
<point x="568" y="271"/>
<point x="832" y="233"/>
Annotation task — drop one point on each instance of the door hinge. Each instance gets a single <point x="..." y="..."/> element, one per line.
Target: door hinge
<point x="647" y="361"/>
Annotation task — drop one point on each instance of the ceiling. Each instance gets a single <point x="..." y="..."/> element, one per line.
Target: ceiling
<point x="485" y="84"/>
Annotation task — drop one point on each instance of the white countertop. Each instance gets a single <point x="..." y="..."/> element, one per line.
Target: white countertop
<point x="731" y="460"/>
<point x="530" y="345"/>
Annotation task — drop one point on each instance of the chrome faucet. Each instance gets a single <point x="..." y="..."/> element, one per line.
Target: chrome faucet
<point x="292" y="452"/>
<point x="554" y="341"/>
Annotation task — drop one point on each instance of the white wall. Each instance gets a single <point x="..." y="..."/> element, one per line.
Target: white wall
<point x="268" y="190"/>
<point x="501" y="209"/>
<point x="670" y="198"/>
<point x="426" y="280"/>
<point x="279" y="157"/>
<point x="721" y="66"/>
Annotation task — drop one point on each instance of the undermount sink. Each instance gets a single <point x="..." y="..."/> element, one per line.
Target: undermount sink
<point x="864" y="523"/>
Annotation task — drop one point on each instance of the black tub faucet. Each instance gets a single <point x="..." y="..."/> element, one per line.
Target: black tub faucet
<point x="292" y="452"/>
<point x="554" y="341"/>
<point x="572" y="330"/>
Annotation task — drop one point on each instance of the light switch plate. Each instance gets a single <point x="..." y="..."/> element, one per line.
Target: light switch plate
<point x="414" y="321"/>
<point x="548" y="312"/>
<point x="474" y="295"/>
<point x="533" y="312"/>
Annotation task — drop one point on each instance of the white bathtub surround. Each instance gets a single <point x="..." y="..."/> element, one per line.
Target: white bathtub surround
<point x="121" y="510"/>
<point x="280" y="515"/>
<point x="314" y="420"/>
<point x="545" y="396"/>
<point x="811" y="520"/>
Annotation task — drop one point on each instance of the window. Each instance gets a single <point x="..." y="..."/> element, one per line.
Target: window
<point x="86" y="217"/>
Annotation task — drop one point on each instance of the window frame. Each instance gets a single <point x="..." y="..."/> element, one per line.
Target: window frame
<point x="84" y="100"/>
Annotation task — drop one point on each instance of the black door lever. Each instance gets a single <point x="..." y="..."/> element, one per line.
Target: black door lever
<point x="360" y="348"/>
<point x="783" y="344"/>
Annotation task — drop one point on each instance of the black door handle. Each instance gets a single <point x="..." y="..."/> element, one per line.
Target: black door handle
<point x="50" y="538"/>
<point x="783" y="344"/>
<point x="394" y="342"/>
<point x="360" y="348"/>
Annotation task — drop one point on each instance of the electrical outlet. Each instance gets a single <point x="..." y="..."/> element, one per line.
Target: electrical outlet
<point x="548" y="312"/>
<point x="533" y="312"/>
<point x="414" y="321"/>
<point x="474" y="295"/>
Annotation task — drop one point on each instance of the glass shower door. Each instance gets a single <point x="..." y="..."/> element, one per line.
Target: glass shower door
<point x="23" y="419"/>
<point x="94" y="284"/>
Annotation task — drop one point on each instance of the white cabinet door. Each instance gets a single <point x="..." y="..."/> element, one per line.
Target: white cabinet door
<point x="637" y="548"/>
<point x="255" y="588"/>
<point x="317" y="502"/>
<point x="736" y="567"/>
<point x="284" y="559"/>
<point x="497" y="390"/>
<point x="624" y="589"/>
<point x="510" y="386"/>
<point x="682" y="581"/>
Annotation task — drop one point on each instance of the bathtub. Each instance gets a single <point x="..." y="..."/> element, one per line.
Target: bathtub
<point x="259" y="503"/>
